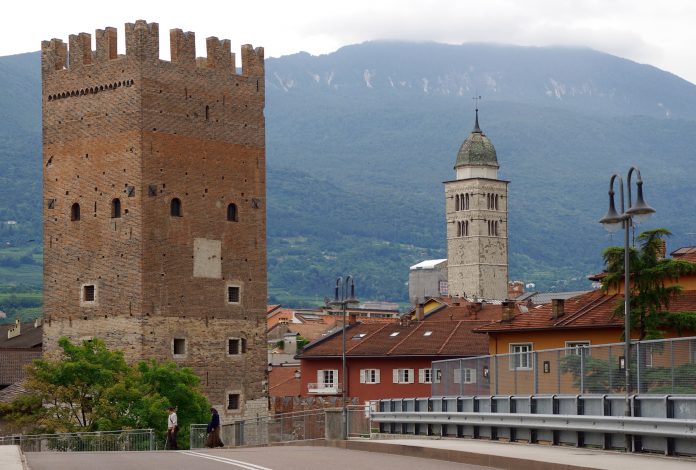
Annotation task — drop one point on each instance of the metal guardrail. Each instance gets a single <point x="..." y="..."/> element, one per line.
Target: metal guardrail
<point x="659" y="423"/>
<point x="104" y="441"/>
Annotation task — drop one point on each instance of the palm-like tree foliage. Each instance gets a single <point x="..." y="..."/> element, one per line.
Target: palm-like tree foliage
<point x="653" y="282"/>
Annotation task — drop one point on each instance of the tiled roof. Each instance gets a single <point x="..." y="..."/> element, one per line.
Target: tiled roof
<point x="282" y="382"/>
<point x="461" y="309"/>
<point x="11" y="392"/>
<point x="310" y="331"/>
<point x="30" y="336"/>
<point x="687" y="253"/>
<point x="594" y="309"/>
<point x="444" y="338"/>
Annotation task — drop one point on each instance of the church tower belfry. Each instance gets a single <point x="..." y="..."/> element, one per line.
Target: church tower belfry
<point x="477" y="229"/>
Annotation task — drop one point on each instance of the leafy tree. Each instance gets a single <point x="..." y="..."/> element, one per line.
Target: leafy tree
<point x="653" y="284"/>
<point x="91" y="388"/>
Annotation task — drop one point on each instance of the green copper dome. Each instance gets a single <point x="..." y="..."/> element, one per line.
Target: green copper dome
<point x="477" y="150"/>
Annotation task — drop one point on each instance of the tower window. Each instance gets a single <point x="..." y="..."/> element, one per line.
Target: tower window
<point x="233" y="294"/>
<point x="232" y="212"/>
<point x="496" y="202"/>
<point x="233" y="401"/>
<point x="89" y="293"/>
<point x="466" y="201"/>
<point x="456" y="202"/>
<point x="175" y="207"/>
<point x="466" y="228"/>
<point x="75" y="212"/>
<point x="459" y="229"/>
<point x="179" y="346"/>
<point x="116" y="208"/>
<point x="236" y="346"/>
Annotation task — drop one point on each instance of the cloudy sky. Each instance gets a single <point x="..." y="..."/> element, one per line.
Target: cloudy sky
<point x="661" y="33"/>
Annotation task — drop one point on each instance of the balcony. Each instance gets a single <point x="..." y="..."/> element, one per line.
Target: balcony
<point x="325" y="388"/>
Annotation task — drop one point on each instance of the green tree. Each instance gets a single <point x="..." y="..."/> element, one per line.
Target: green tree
<point x="90" y="388"/>
<point x="653" y="284"/>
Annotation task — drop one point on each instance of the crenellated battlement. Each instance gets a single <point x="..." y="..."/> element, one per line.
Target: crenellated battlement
<point x="142" y="43"/>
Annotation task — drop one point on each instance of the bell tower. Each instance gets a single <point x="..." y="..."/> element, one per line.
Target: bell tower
<point x="477" y="230"/>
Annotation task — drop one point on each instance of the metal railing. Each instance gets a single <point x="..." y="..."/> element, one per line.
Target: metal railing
<point x="664" y="424"/>
<point x="325" y="388"/>
<point x="124" y="440"/>
<point x="658" y="367"/>
<point x="285" y="427"/>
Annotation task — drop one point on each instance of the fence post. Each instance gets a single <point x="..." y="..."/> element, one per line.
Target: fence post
<point x="610" y="359"/>
<point x="495" y="362"/>
<point x="582" y="370"/>
<point x="638" y="361"/>
<point x="461" y="377"/>
<point x="536" y="372"/>
<point x="671" y="362"/>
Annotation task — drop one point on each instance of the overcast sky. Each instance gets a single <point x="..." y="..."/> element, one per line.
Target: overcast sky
<point x="660" y="33"/>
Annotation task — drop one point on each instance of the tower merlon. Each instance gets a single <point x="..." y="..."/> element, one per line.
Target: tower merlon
<point x="106" y="44"/>
<point x="182" y="47"/>
<point x="142" y="40"/>
<point x="220" y="54"/>
<point x="80" y="50"/>
<point x="54" y="55"/>
<point x="252" y="61"/>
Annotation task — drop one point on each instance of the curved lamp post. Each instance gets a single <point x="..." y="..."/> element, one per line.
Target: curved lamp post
<point x="613" y="221"/>
<point x="344" y="295"/>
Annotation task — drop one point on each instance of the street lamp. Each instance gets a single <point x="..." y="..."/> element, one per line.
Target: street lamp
<point x="613" y="221"/>
<point x="344" y="294"/>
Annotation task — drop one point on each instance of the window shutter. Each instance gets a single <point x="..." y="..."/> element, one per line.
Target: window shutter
<point x="320" y="377"/>
<point x="411" y="378"/>
<point x="335" y="377"/>
<point x="377" y="376"/>
<point x="362" y="376"/>
<point x="421" y="375"/>
<point x="457" y="376"/>
<point x="395" y="374"/>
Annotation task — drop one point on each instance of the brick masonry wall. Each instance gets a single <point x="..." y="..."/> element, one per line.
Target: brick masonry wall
<point x="144" y="130"/>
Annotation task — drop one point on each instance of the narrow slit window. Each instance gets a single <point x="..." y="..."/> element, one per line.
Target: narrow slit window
<point x="88" y="293"/>
<point x="75" y="212"/>
<point x="175" y="207"/>
<point x="116" y="208"/>
<point x="179" y="346"/>
<point x="232" y="212"/>
<point x="233" y="294"/>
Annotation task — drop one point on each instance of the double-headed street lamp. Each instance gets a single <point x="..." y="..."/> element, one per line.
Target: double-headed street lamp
<point x="613" y="221"/>
<point x="344" y="295"/>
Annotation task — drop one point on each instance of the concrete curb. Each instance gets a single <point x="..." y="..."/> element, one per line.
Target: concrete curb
<point x="11" y="458"/>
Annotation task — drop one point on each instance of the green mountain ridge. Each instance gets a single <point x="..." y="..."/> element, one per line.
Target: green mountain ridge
<point x="359" y="142"/>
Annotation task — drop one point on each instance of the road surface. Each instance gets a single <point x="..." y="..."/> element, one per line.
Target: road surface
<point x="256" y="458"/>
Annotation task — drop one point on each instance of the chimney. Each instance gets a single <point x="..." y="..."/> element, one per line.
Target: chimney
<point x="662" y="248"/>
<point x="420" y="312"/>
<point x="14" y="331"/>
<point x="515" y="289"/>
<point x="557" y="308"/>
<point x="352" y="319"/>
<point x="508" y="308"/>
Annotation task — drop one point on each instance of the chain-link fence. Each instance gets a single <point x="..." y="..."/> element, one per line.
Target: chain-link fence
<point x="127" y="440"/>
<point x="658" y="366"/>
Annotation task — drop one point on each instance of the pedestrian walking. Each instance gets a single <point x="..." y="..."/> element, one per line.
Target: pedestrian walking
<point x="213" y="439"/>
<point x="172" y="429"/>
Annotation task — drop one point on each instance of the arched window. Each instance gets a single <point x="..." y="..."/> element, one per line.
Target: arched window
<point x="175" y="207"/>
<point x="207" y="113"/>
<point x="459" y="229"/>
<point x="466" y="228"/>
<point x="456" y="202"/>
<point x="466" y="203"/>
<point x="496" y="202"/>
<point x="232" y="212"/>
<point x="116" y="208"/>
<point x="75" y="212"/>
<point x="496" y="228"/>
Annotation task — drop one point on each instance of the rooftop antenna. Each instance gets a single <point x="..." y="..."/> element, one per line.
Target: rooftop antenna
<point x="476" y="99"/>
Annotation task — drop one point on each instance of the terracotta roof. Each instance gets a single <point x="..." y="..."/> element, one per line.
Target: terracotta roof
<point x="594" y="309"/>
<point x="271" y="308"/>
<point x="30" y="336"/>
<point x="687" y="253"/>
<point x="461" y="309"/>
<point x="11" y="392"/>
<point x="282" y="382"/>
<point x="445" y="338"/>
<point x="310" y="331"/>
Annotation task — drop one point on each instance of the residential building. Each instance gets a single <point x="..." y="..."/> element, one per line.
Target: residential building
<point x="427" y="279"/>
<point x="20" y="343"/>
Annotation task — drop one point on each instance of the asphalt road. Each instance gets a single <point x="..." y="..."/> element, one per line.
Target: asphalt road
<point x="257" y="458"/>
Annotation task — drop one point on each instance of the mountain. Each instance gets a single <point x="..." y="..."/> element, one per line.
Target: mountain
<point x="359" y="142"/>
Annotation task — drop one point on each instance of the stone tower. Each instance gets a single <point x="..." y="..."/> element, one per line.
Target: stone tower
<point x="154" y="210"/>
<point x="477" y="230"/>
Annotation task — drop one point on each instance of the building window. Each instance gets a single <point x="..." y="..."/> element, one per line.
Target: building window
<point x="466" y="201"/>
<point x="394" y="333"/>
<point x="236" y="346"/>
<point x="465" y="375"/>
<point x="327" y="378"/>
<point x="577" y="348"/>
<point x="75" y="212"/>
<point x="89" y="293"/>
<point x="466" y="228"/>
<point x="403" y="376"/>
<point x="459" y="229"/>
<point x="496" y="202"/>
<point x="456" y="202"/>
<point x="369" y="376"/>
<point x="425" y="376"/>
<point x="175" y="207"/>
<point x="232" y="212"/>
<point x="521" y="357"/>
<point x="116" y="208"/>
<point x="233" y="294"/>
<point x="179" y="346"/>
<point x="233" y="401"/>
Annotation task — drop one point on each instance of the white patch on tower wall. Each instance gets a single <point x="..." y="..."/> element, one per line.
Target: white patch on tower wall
<point x="207" y="261"/>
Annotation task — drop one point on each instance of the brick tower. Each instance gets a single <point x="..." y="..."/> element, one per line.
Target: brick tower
<point x="154" y="214"/>
<point x="477" y="231"/>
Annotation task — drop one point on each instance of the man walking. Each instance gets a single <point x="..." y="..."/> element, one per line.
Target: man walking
<point x="172" y="429"/>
